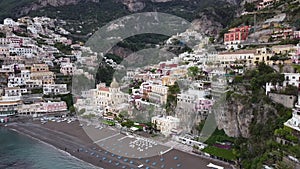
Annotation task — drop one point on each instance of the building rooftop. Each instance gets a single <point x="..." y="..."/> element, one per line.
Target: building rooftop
<point x="239" y="52"/>
<point x="114" y="84"/>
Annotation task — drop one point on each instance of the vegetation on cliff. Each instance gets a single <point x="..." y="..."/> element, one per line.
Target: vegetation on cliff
<point x="261" y="147"/>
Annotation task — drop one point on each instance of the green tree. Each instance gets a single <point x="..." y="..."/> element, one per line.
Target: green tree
<point x="193" y="71"/>
<point x="212" y="39"/>
<point x="114" y="57"/>
<point x="127" y="123"/>
<point x="104" y="74"/>
<point x="66" y="49"/>
<point x="2" y="35"/>
<point x="81" y="111"/>
<point x="291" y="90"/>
<point x="249" y="7"/>
<point x="172" y="98"/>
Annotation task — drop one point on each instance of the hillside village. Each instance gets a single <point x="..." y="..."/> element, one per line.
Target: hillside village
<point x="171" y="98"/>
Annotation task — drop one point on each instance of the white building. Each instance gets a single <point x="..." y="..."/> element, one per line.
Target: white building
<point x="7" y="68"/>
<point x="165" y="123"/>
<point x="18" y="80"/>
<point x="10" y="22"/>
<point x="10" y="102"/>
<point x="9" y="105"/>
<point x="240" y="55"/>
<point x="55" y="89"/>
<point x="265" y="3"/>
<point x="294" y="122"/>
<point x="34" y="83"/>
<point x="15" y="81"/>
<point x="4" y="41"/>
<point x="21" y="51"/>
<point x="67" y="68"/>
<point x="292" y="79"/>
<point x="190" y="141"/>
<point x="192" y="107"/>
<point x="25" y="74"/>
<point x="12" y="92"/>
<point x="33" y="29"/>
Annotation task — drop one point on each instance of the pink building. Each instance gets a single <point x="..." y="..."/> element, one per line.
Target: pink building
<point x="42" y="108"/>
<point x="203" y="104"/>
<point x="55" y="106"/>
<point x="15" y="41"/>
<point x="236" y="36"/>
<point x="297" y="34"/>
<point x="296" y="58"/>
<point x="168" y="66"/>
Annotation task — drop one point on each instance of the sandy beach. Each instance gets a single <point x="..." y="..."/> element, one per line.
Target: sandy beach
<point x="104" y="153"/>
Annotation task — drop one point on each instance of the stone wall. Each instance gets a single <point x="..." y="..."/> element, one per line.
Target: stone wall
<point x="286" y="100"/>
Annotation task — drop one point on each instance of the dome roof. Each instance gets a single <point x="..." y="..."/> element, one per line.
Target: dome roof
<point x="114" y="84"/>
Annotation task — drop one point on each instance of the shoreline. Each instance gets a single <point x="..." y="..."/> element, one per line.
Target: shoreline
<point x="69" y="138"/>
<point x="52" y="146"/>
<point x="56" y="141"/>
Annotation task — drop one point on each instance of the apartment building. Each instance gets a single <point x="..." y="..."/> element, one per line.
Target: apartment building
<point x="236" y="36"/>
<point x="158" y="94"/>
<point x="165" y="123"/>
<point x="55" y="89"/>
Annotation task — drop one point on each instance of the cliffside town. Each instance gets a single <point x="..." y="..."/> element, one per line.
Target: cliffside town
<point x="247" y="76"/>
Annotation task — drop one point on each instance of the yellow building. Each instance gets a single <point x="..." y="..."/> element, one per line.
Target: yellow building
<point x="263" y="55"/>
<point x="179" y="72"/>
<point x="168" y="80"/>
<point x="39" y="68"/>
<point x="110" y="96"/>
<point x="158" y="94"/>
<point x="283" y="49"/>
<point x="47" y="77"/>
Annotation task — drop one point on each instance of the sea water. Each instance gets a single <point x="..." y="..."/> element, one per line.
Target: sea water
<point x="18" y="151"/>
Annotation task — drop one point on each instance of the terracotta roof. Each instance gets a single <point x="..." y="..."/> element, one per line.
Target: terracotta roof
<point x="172" y="65"/>
<point x="282" y="46"/>
<point x="137" y="97"/>
<point x="104" y="89"/>
<point x="238" y="52"/>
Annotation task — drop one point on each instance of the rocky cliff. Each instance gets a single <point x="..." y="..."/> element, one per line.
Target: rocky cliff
<point x="138" y="5"/>
<point x="240" y="113"/>
<point x="134" y="5"/>
<point x="207" y="25"/>
<point x="44" y="3"/>
<point x="235" y="118"/>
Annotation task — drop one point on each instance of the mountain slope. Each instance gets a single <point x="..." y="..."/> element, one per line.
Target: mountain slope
<point x="9" y="8"/>
<point x="96" y="13"/>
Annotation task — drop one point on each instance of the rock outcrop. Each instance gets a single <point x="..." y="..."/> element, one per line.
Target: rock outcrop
<point x="235" y="118"/>
<point x="134" y="5"/>
<point x="238" y="114"/>
<point x="207" y="26"/>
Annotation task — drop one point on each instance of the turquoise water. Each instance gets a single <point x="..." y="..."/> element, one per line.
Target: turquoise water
<point x="20" y="152"/>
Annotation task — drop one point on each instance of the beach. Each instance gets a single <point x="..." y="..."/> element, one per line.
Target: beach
<point x="106" y="153"/>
